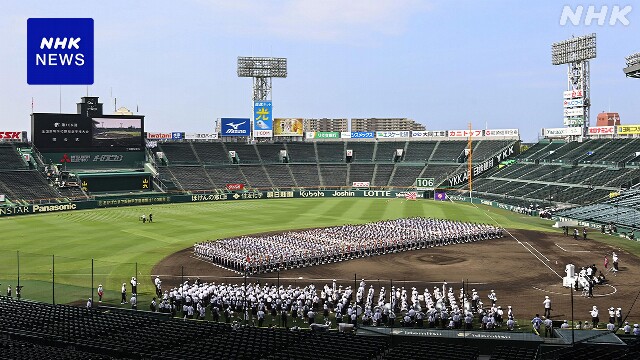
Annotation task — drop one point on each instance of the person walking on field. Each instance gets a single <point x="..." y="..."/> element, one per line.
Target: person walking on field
<point x="123" y="300"/>
<point x="606" y="263"/>
<point x="547" y="307"/>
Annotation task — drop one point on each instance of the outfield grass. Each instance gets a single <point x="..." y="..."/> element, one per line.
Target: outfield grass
<point x="118" y="241"/>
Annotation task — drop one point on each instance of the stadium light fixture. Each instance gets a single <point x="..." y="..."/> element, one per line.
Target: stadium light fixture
<point x="573" y="50"/>
<point x="262" y="67"/>
<point x="576" y="53"/>
<point x="262" y="70"/>
<point x="633" y="65"/>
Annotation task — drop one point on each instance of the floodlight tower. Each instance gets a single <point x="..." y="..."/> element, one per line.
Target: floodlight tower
<point x="633" y="66"/>
<point x="262" y="70"/>
<point x="576" y="52"/>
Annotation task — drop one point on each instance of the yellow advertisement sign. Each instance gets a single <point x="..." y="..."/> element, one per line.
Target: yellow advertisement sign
<point x="628" y="129"/>
<point x="287" y="127"/>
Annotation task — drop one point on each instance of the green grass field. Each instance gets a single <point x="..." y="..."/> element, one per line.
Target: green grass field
<point x="117" y="240"/>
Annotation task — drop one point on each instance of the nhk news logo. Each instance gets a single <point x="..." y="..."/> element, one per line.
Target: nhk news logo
<point x="60" y="51"/>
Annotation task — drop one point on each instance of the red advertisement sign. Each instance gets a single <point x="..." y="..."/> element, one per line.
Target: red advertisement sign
<point x="235" y="187"/>
<point x="596" y="130"/>
<point x="15" y="135"/>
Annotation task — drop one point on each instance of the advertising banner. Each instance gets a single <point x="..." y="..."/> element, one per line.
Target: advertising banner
<point x="363" y="135"/>
<point x="573" y="102"/>
<point x="262" y="119"/>
<point x="465" y="133"/>
<point x="572" y="94"/>
<point x="201" y="136"/>
<point x="420" y="134"/>
<point x="177" y="136"/>
<point x="574" y="112"/>
<point x="501" y="132"/>
<point x="11" y="136"/>
<point x="288" y="127"/>
<point x="360" y="184"/>
<point x="601" y="130"/>
<point x="159" y="136"/>
<point x="562" y="132"/>
<point x="577" y="121"/>
<point x="345" y="135"/>
<point x="482" y="167"/>
<point x="440" y="196"/>
<point x="322" y="135"/>
<point x="235" y="187"/>
<point x="628" y="129"/>
<point x="392" y="134"/>
<point x="114" y="160"/>
<point x="235" y="127"/>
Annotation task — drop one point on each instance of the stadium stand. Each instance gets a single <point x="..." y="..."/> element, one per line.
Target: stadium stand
<point x="26" y="185"/>
<point x="246" y="153"/>
<point x="301" y="152"/>
<point x="306" y="175"/>
<point x="448" y="151"/>
<point x="419" y="151"/>
<point x="361" y="172"/>
<point x="280" y="175"/>
<point x="501" y="352"/>
<point x="405" y="176"/>
<point x="385" y="150"/>
<point x="321" y="155"/>
<point x="270" y="153"/>
<point x="382" y="174"/>
<point x="331" y="152"/>
<point x="429" y="349"/>
<point x="178" y="153"/>
<point x="256" y="177"/>
<point x="221" y="176"/>
<point x="333" y="175"/>
<point x="10" y="159"/>
<point x="362" y="150"/>
<point x="487" y="148"/>
<point x="191" y="177"/>
<point x="574" y="173"/>
<point x="211" y="153"/>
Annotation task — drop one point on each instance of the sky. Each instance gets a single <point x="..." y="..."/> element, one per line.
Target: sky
<point x="441" y="63"/>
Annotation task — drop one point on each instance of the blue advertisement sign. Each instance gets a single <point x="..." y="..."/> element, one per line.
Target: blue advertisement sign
<point x="60" y="51"/>
<point x="235" y="127"/>
<point x="262" y="119"/>
<point x="177" y="136"/>
<point x="363" y="135"/>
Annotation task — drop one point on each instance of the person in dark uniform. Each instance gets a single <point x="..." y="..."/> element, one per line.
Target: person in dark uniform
<point x="123" y="299"/>
<point x="150" y="217"/>
<point x="283" y="318"/>
<point x="584" y="233"/>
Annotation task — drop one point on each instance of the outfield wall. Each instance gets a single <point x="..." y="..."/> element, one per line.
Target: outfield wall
<point x="150" y="199"/>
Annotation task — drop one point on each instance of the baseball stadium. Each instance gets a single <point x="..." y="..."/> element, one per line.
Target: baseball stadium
<point x="306" y="238"/>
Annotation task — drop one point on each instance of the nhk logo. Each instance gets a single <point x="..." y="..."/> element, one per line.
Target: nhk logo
<point x="60" y="51"/>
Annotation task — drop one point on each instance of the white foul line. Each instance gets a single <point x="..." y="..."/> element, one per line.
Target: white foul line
<point x="565" y="250"/>
<point x="519" y="242"/>
<point x="538" y="251"/>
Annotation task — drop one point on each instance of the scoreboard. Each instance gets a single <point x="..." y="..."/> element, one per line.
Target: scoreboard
<point x="61" y="133"/>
